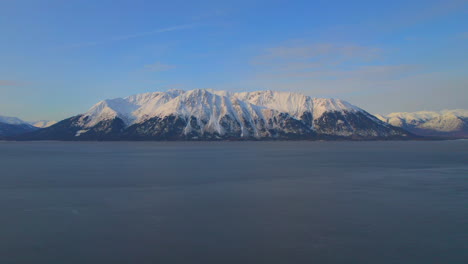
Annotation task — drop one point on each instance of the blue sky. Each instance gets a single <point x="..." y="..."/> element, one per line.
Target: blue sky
<point x="58" y="58"/>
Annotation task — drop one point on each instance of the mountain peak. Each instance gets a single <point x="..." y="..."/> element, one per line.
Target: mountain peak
<point x="42" y="123"/>
<point x="212" y="114"/>
<point x="140" y="107"/>
<point x="11" y="120"/>
<point x="12" y="126"/>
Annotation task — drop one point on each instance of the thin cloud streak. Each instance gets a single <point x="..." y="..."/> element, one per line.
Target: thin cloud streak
<point x="158" y="67"/>
<point x="315" y="55"/>
<point x="153" y="32"/>
<point x="463" y="35"/>
<point x="9" y="83"/>
<point x="132" y="36"/>
<point x="327" y="69"/>
<point x="368" y="72"/>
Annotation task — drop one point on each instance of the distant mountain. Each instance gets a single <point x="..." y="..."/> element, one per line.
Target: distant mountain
<point x="11" y="120"/>
<point x="220" y="115"/>
<point x="446" y="123"/>
<point x="13" y="126"/>
<point x="42" y="123"/>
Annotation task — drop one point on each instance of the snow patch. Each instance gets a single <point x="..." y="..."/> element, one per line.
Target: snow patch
<point x="210" y="107"/>
<point x="79" y="132"/>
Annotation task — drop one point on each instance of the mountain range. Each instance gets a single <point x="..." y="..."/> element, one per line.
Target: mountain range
<point x="13" y="126"/>
<point x="219" y="115"/>
<point x="205" y="114"/>
<point x="446" y="123"/>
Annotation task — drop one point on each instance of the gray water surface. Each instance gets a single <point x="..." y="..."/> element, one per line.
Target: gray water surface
<point x="233" y="202"/>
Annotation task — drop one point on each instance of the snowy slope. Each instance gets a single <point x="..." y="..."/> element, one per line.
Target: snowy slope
<point x="210" y="114"/>
<point x="11" y="120"/>
<point x="17" y="121"/>
<point x="131" y="109"/>
<point x="200" y="103"/>
<point x="296" y="104"/>
<point x="12" y="126"/>
<point x="445" y="122"/>
<point x="42" y="123"/>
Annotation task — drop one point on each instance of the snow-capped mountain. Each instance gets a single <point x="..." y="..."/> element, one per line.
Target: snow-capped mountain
<point x="216" y="115"/>
<point x="451" y="123"/>
<point x="11" y="120"/>
<point x="42" y="123"/>
<point x="12" y="126"/>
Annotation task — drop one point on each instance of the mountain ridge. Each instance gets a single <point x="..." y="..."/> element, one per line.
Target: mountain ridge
<point x="42" y="123"/>
<point x="12" y="126"/>
<point x="203" y="114"/>
<point x="445" y="123"/>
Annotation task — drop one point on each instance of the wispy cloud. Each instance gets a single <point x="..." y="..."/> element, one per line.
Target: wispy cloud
<point x="158" y="67"/>
<point x="132" y="36"/>
<point x="304" y="56"/>
<point x="153" y="32"/>
<point x="326" y="69"/>
<point x="9" y="83"/>
<point x="463" y="35"/>
<point x="368" y="72"/>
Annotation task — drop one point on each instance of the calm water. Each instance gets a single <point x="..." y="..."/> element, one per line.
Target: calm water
<point x="234" y="202"/>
